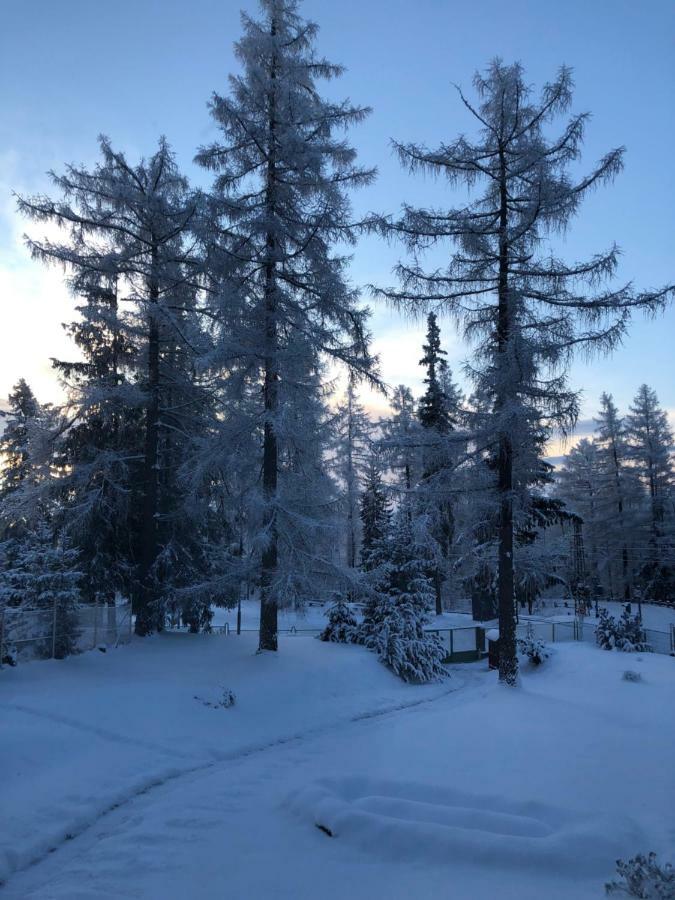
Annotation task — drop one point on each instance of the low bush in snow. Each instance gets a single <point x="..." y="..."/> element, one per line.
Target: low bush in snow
<point x="532" y="647"/>
<point x="605" y="633"/>
<point x="626" y="634"/>
<point x="342" y="625"/>
<point x="630" y="675"/>
<point x="643" y="877"/>
<point x="228" y="698"/>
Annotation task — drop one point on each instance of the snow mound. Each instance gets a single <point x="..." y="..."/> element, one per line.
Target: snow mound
<point x="416" y="821"/>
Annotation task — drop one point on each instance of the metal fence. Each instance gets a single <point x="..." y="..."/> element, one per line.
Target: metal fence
<point x="468" y="643"/>
<point x="580" y="630"/>
<point x="54" y="631"/>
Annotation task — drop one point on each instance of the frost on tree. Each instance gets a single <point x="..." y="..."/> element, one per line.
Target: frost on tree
<point x="397" y="610"/>
<point x="375" y="511"/>
<point x="40" y="591"/>
<point x="351" y="449"/>
<point x="524" y="308"/>
<point x="650" y="441"/>
<point x="135" y="401"/>
<point x="439" y="414"/>
<point x="279" y="205"/>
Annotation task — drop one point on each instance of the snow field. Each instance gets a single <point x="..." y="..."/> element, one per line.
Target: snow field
<point x="473" y="793"/>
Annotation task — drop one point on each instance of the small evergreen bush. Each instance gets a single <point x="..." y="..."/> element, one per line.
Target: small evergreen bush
<point x="605" y="632"/>
<point x="629" y="633"/>
<point x="626" y="634"/>
<point x="342" y="625"/>
<point x="644" y="878"/>
<point x="532" y="647"/>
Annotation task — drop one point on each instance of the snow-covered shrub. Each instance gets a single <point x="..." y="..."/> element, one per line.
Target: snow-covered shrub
<point x="228" y="699"/>
<point x="629" y="633"/>
<point x="342" y="625"/>
<point x="643" y="877"/>
<point x="40" y="589"/>
<point x="404" y="646"/>
<point x="532" y="647"/>
<point x="605" y="632"/>
<point x="225" y="701"/>
<point x="397" y="610"/>
<point x="630" y="675"/>
<point x="626" y="634"/>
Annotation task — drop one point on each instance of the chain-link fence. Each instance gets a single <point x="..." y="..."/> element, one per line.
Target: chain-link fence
<point x="468" y="643"/>
<point x="57" y="630"/>
<point x="580" y="630"/>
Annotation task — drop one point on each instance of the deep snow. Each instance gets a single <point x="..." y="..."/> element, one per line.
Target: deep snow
<point x="463" y="789"/>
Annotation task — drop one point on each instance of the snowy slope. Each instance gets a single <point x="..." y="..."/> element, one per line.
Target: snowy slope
<point x="485" y="791"/>
<point x="83" y="734"/>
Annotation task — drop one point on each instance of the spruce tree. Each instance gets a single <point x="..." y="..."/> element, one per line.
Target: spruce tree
<point x="134" y="395"/>
<point x="615" y="485"/>
<point x="351" y="447"/>
<point x="14" y="442"/>
<point x="439" y="413"/>
<point x="650" y="442"/>
<point x="433" y="406"/>
<point x="398" y="609"/>
<point x="278" y="206"/>
<point x="375" y="512"/>
<point x="525" y="308"/>
<point x="402" y="441"/>
<point x="40" y="589"/>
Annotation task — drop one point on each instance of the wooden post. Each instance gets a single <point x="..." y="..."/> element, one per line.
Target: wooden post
<point x="2" y="633"/>
<point x="96" y="622"/>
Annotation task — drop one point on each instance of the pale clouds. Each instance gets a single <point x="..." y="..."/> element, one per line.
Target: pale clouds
<point x="34" y="298"/>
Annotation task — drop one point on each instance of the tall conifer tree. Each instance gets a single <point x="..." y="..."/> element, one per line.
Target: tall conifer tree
<point x="526" y="309"/>
<point x="280" y="203"/>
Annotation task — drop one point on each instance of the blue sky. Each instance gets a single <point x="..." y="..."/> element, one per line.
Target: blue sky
<point x="135" y="69"/>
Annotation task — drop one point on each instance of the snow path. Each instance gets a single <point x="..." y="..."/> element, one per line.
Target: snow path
<point x="61" y="825"/>
<point x="471" y="793"/>
<point x="38" y="878"/>
<point x="111" y="736"/>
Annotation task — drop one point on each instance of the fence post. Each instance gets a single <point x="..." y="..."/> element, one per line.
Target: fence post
<point x="553" y="632"/>
<point x="130" y="610"/>
<point x="2" y="633"/>
<point x="54" y="630"/>
<point x="96" y="621"/>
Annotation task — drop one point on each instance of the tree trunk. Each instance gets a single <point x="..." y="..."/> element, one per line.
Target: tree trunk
<point x="268" y="603"/>
<point x="147" y="616"/>
<point x="438" y="587"/>
<point x="624" y="549"/>
<point x="508" y="660"/>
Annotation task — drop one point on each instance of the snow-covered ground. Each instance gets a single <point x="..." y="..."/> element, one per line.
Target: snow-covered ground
<point x="463" y="789"/>
<point x="313" y="618"/>
<point x="660" y="618"/>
